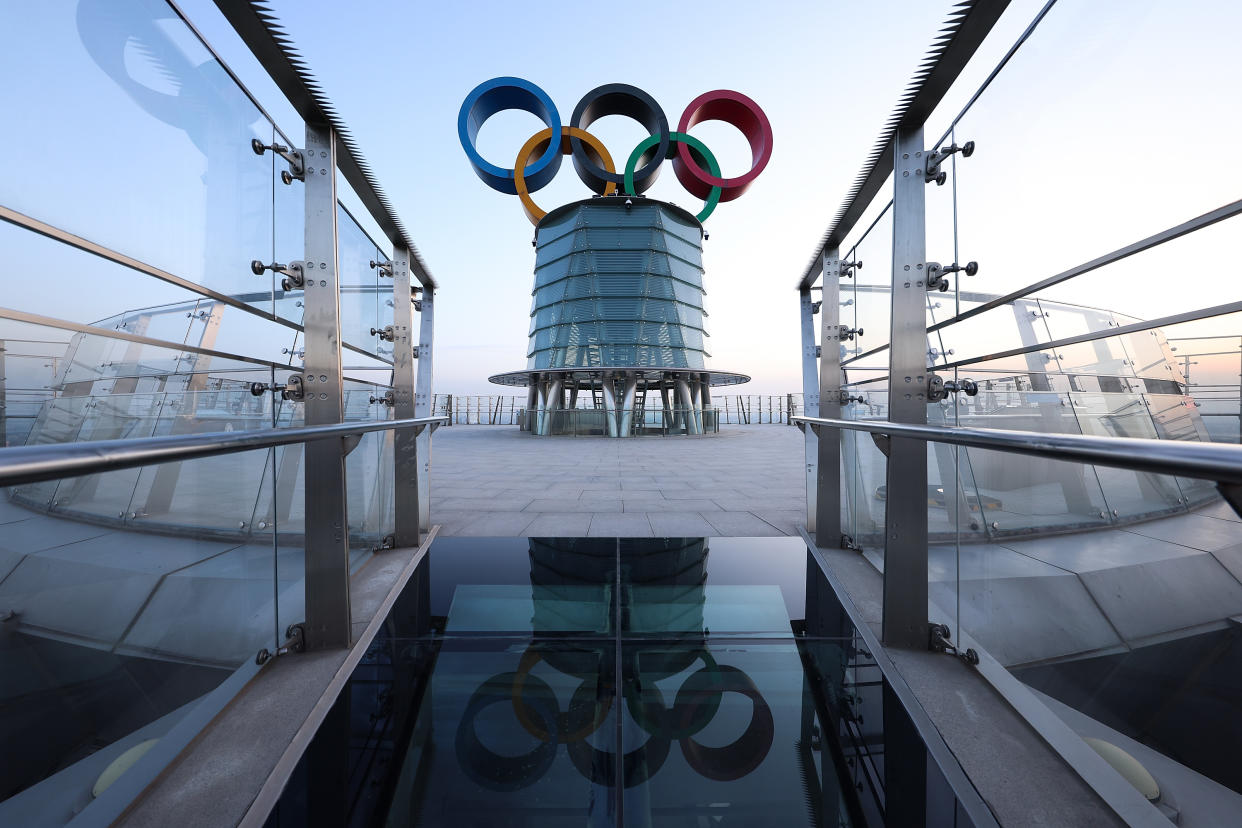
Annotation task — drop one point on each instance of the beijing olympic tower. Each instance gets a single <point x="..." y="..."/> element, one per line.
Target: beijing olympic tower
<point x="617" y="310"/>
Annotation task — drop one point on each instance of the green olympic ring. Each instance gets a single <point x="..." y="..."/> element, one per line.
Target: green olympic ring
<point x="695" y="145"/>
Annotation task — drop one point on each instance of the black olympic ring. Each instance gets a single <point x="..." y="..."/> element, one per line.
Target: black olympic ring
<point x="632" y="102"/>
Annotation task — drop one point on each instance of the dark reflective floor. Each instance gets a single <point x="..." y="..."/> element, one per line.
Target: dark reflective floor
<point x="680" y="681"/>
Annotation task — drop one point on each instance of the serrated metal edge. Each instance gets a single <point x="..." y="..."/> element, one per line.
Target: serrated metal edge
<point x="883" y="144"/>
<point x="314" y="106"/>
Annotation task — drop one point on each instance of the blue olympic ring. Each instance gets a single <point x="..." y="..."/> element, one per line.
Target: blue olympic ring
<point x="493" y="96"/>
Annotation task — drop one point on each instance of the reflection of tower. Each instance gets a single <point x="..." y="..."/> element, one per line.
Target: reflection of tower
<point x="618" y="314"/>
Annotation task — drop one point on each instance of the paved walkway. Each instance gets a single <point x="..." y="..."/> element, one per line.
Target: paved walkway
<point x="746" y="481"/>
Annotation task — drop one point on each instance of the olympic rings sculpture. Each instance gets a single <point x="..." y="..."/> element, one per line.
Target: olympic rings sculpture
<point x="694" y="165"/>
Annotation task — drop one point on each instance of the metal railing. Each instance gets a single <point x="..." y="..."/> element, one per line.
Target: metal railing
<point x="1219" y="463"/>
<point x="33" y="464"/>
<point x="1090" y="389"/>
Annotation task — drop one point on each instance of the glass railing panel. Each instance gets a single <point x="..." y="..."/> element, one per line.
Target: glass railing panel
<point x="1129" y="494"/>
<point x="118" y="632"/>
<point x="866" y="298"/>
<point x="172" y="180"/>
<point x="1176" y="417"/>
<point x="1037" y="494"/>
<point x="1010" y="327"/>
<point x="369" y="474"/>
<point x="360" y="283"/>
<point x="1086" y="96"/>
<point x="864" y="483"/>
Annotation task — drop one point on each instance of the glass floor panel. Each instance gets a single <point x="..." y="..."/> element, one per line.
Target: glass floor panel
<point x="605" y="682"/>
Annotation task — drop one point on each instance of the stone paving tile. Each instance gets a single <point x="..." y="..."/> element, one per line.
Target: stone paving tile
<point x="647" y="504"/>
<point x="740" y="525"/>
<point x="786" y="520"/>
<point x="491" y="524"/>
<point x="633" y="525"/>
<point x="559" y="525"/>
<point x="508" y="504"/>
<point x="680" y="525"/>
<point x="582" y="505"/>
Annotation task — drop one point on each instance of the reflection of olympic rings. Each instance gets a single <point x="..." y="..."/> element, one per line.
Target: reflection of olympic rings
<point x="747" y="752"/>
<point x="571" y="726"/>
<point x="591" y="159"/>
<point x="569" y="135"/>
<point x="490" y="769"/>
<point x="713" y="196"/>
<point x="535" y="705"/>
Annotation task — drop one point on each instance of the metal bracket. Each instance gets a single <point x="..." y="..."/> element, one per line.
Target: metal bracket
<point x="389" y="542"/>
<point x="350" y="442"/>
<point x="295" y="642"/>
<point x="847" y="269"/>
<point x="815" y="306"/>
<point x="844" y="398"/>
<point x="932" y="171"/>
<point x="386" y="334"/>
<point x="297" y="162"/>
<point x="939" y="641"/>
<point x="848" y="334"/>
<point x="937" y="273"/>
<point x="938" y="389"/>
<point x="292" y="390"/>
<point x="385" y="267"/>
<point x="389" y="399"/>
<point x="882" y="441"/>
<point x="294" y="272"/>
<point x="848" y="543"/>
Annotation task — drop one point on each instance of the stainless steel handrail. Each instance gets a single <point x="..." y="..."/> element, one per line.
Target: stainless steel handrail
<point x="34" y="464"/>
<point x="1218" y="462"/>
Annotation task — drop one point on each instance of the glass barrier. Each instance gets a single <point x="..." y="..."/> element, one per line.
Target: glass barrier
<point x="362" y="292"/>
<point x="172" y="180"/>
<point x="115" y="634"/>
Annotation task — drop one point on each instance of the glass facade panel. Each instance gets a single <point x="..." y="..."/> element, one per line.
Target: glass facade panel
<point x="621" y="299"/>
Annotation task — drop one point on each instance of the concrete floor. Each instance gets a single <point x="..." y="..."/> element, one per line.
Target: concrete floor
<point x="746" y="481"/>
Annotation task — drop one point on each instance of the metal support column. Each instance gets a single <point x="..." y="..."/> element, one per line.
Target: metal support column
<point x="810" y="401"/>
<point x="629" y="398"/>
<point x="327" y="525"/>
<point x="424" y="399"/>
<point x="553" y="405"/>
<point x="828" y="463"/>
<point x="905" y="518"/>
<point x="406" y="531"/>
<point x="705" y="396"/>
<point x="610" y="404"/>
<point x="685" y="402"/>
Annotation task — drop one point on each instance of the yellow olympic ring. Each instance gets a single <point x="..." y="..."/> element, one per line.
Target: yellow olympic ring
<point x="538" y="145"/>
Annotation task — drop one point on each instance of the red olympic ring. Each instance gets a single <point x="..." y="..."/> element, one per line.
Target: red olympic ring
<point x="739" y="111"/>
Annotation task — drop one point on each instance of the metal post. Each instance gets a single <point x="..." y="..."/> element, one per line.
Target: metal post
<point x="552" y="406"/>
<point x="629" y="399"/>
<point x="686" y="403"/>
<point x="4" y="413"/>
<point x="327" y="524"/>
<point x="828" y="465"/>
<point x="905" y="518"/>
<point x="610" y="404"/>
<point x="424" y="397"/>
<point x="406" y="530"/>
<point x="705" y="395"/>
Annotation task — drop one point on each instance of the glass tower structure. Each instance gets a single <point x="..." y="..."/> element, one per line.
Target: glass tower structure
<point x="617" y="311"/>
